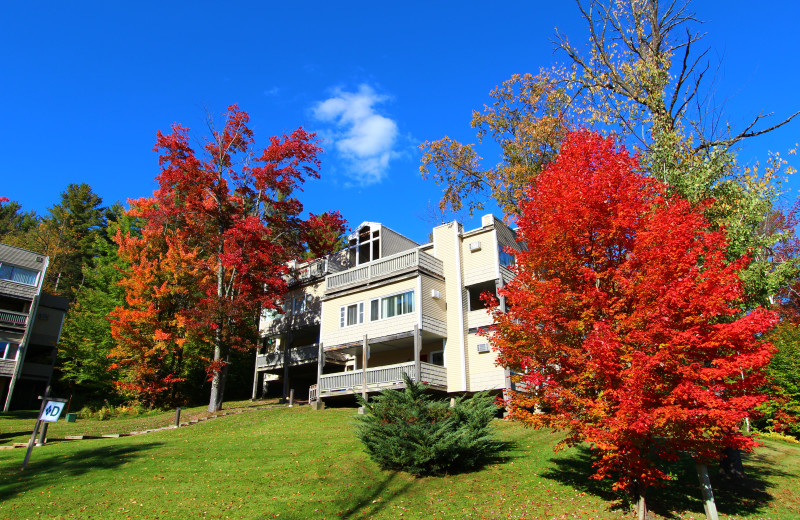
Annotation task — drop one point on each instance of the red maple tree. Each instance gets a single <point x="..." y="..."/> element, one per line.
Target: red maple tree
<point x="230" y="220"/>
<point x="624" y="320"/>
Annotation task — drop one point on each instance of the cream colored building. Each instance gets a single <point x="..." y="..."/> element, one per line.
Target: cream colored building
<point x="386" y="306"/>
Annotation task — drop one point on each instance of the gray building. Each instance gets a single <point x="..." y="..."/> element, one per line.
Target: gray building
<point x="30" y="325"/>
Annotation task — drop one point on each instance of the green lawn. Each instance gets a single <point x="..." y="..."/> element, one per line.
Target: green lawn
<point x="276" y="462"/>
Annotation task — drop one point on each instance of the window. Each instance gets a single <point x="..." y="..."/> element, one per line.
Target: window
<point x="302" y="303"/>
<point x="390" y="306"/>
<point x="437" y="358"/>
<point x="8" y="350"/>
<point x="364" y="246"/>
<point x="506" y="258"/>
<point x="350" y="315"/>
<point x="18" y="274"/>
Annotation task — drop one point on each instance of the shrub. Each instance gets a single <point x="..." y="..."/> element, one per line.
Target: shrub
<point x="410" y="431"/>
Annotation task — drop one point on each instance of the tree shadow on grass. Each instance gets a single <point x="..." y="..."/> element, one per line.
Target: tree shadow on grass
<point x="748" y="497"/>
<point x="5" y="436"/>
<point x="375" y="498"/>
<point x="47" y="469"/>
<point x="501" y="455"/>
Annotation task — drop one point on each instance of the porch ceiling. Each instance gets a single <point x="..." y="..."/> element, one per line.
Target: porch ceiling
<point x="404" y="340"/>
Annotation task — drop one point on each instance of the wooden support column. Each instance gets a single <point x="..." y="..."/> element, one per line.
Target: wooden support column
<point x="417" y="349"/>
<point x="364" y="354"/>
<point x="320" y="366"/>
<point x="255" y="381"/>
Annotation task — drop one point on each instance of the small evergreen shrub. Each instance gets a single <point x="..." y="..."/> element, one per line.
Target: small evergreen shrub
<point x="408" y="430"/>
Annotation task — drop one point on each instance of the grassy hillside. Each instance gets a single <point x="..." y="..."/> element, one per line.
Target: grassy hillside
<point x="295" y="463"/>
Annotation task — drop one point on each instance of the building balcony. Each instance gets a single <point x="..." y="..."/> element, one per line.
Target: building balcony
<point x="7" y="367"/>
<point x="407" y="261"/>
<point x="379" y="378"/>
<point x="303" y="272"/>
<point x="297" y="356"/>
<point x="17" y="320"/>
<point x="281" y="323"/>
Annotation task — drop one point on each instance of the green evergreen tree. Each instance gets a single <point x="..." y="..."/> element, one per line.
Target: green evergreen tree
<point x="411" y="431"/>
<point x="15" y="223"/>
<point x="67" y="234"/>
<point x="83" y="365"/>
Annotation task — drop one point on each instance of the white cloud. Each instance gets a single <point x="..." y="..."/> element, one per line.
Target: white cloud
<point x="364" y="138"/>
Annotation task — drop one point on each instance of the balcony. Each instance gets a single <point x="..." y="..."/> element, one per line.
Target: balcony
<point x="13" y="319"/>
<point x="379" y="378"/>
<point x="7" y="367"/>
<point x="297" y="356"/>
<point x="300" y="273"/>
<point x="377" y="269"/>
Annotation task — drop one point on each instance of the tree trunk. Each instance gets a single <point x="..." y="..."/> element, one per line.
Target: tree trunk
<point x="730" y="466"/>
<point x="218" y="378"/>
<point x="708" y="495"/>
<point x="641" y="503"/>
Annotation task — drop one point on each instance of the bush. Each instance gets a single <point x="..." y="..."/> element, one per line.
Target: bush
<point x="410" y="431"/>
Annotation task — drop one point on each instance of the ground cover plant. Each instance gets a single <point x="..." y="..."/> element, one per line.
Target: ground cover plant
<point x="411" y="430"/>
<point x="277" y="462"/>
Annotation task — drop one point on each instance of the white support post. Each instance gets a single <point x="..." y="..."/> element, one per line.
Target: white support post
<point x="320" y="366"/>
<point x="364" y="372"/>
<point x="417" y="349"/>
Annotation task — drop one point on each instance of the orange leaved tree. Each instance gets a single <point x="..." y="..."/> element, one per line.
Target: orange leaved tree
<point x="215" y="238"/>
<point x="624" y="320"/>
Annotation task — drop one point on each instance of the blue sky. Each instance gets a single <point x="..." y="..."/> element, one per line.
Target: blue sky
<point x="85" y="87"/>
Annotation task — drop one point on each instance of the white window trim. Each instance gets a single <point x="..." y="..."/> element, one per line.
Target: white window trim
<point x="35" y="282"/>
<point x="343" y="315"/>
<point x="380" y="307"/>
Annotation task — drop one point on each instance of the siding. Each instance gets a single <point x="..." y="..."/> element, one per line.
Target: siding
<point x="478" y="318"/>
<point x="481" y="265"/>
<point x="432" y="307"/>
<point x="483" y="374"/>
<point x="21" y="258"/>
<point x="331" y="334"/>
<point x="17" y="290"/>
<point x="445" y="239"/>
<point x="393" y="242"/>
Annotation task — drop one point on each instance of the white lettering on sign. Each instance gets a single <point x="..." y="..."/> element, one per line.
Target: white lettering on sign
<point x="52" y="411"/>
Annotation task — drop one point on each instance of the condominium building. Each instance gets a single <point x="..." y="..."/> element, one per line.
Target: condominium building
<point x="355" y="322"/>
<point x="30" y="325"/>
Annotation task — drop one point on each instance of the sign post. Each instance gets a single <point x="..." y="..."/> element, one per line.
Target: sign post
<point x="50" y="412"/>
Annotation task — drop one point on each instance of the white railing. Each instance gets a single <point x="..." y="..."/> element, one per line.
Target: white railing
<point x="16" y="319"/>
<point x="384" y="266"/>
<point x="352" y="382"/>
<point x="312" y="393"/>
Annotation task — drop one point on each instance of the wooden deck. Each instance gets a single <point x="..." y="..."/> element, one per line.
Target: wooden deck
<point x="379" y="378"/>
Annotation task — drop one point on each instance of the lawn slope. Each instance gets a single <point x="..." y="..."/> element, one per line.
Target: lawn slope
<point x="291" y="463"/>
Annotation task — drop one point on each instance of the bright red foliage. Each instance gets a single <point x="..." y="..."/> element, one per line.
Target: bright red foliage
<point x="232" y="218"/>
<point x="624" y="318"/>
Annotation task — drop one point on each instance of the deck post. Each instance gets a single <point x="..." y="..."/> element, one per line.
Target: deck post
<point x="255" y="380"/>
<point x="417" y="349"/>
<point x="364" y="363"/>
<point x="320" y="365"/>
